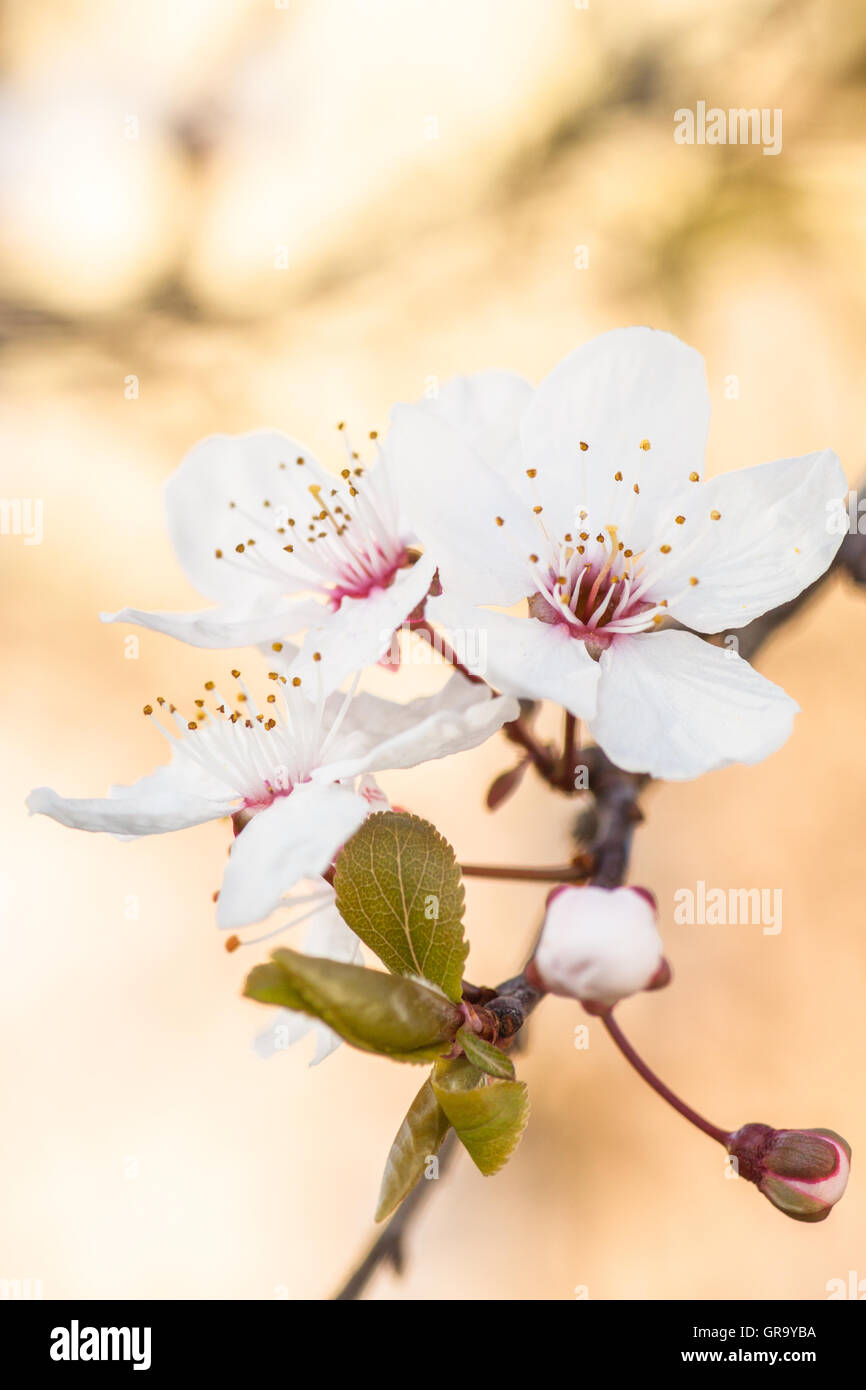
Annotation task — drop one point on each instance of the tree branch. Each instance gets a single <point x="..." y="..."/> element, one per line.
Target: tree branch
<point x="604" y="842"/>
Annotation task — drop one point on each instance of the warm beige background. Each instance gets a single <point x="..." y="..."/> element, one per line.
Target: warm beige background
<point x="125" y="1041"/>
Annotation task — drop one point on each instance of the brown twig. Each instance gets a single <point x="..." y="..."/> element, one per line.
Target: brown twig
<point x="563" y="873"/>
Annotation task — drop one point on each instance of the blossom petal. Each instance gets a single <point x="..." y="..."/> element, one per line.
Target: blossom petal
<point x="174" y="797"/>
<point x="263" y="620"/>
<point x="228" y="489"/>
<point x="521" y="656"/>
<point x="452" y="499"/>
<point x="637" y="399"/>
<point x="387" y="736"/>
<point x="755" y="539"/>
<point x="296" y="837"/>
<point x="673" y="705"/>
<point x="486" y="409"/>
<point x="361" y="630"/>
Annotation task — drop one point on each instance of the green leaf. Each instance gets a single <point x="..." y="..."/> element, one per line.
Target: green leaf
<point x="456" y="1074"/>
<point x="485" y="1056"/>
<point x="397" y="1018"/>
<point x="399" y="888"/>
<point x="419" y="1136"/>
<point x="489" y="1119"/>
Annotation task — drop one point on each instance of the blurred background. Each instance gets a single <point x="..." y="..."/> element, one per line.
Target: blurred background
<point x="226" y="214"/>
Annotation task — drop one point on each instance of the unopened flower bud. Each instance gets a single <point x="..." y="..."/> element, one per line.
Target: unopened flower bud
<point x="600" y="945"/>
<point x="803" y="1172"/>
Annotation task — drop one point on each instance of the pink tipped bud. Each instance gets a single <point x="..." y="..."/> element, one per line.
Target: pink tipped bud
<point x="803" y="1172"/>
<point x="600" y="945"/>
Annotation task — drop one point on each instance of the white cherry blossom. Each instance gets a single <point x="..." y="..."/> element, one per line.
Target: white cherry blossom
<point x="282" y="545"/>
<point x="287" y="773"/>
<point x="603" y="522"/>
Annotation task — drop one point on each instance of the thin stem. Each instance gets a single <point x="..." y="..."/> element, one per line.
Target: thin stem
<point x="720" y="1135"/>
<point x="519" y="732"/>
<point x="569" y="751"/>
<point x="563" y="873"/>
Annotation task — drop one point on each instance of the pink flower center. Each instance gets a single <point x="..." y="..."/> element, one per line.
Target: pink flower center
<point x="366" y="568"/>
<point x="598" y="591"/>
